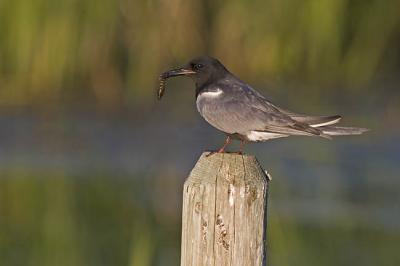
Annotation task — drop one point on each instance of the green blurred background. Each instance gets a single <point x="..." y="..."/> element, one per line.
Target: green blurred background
<point x="92" y="167"/>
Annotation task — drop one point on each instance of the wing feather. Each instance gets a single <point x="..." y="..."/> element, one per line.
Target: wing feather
<point x="241" y="110"/>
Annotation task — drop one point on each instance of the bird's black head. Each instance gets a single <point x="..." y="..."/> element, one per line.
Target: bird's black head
<point x="203" y="70"/>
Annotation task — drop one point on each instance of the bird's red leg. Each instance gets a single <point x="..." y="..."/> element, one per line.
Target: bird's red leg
<point x="221" y="150"/>
<point x="242" y="143"/>
<point x="227" y="141"/>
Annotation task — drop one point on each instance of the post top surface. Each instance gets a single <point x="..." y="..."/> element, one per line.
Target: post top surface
<point x="226" y="155"/>
<point x="230" y="166"/>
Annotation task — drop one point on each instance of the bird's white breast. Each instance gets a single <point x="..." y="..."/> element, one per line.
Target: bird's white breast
<point x="209" y="94"/>
<point x="206" y="97"/>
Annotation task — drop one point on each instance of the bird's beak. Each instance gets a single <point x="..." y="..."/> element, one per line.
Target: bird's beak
<point x="177" y="72"/>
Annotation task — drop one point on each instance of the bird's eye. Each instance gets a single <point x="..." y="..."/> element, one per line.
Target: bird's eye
<point x="198" y="66"/>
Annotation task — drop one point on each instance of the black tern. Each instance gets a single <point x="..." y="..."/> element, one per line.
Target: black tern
<point x="235" y="108"/>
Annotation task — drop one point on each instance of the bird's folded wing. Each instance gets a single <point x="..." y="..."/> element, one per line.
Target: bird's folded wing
<point x="314" y="121"/>
<point x="242" y="112"/>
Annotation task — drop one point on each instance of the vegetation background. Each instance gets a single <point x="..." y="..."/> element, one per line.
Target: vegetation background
<point x="92" y="167"/>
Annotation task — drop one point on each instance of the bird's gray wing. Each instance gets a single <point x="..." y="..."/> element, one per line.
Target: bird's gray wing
<point x="241" y="110"/>
<point x="302" y="118"/>
<point x="312" y="120"/>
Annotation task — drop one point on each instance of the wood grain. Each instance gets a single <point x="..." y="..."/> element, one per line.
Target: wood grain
<point x="224" y="212"/>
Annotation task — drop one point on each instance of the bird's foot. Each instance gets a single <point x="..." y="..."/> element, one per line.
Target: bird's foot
<point x="222" y="149"/>
<point x="214" y="152"/>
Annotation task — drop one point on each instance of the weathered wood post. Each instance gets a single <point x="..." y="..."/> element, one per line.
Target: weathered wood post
<point x="224" y="212"/>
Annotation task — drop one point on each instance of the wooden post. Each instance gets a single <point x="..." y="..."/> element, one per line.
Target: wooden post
<point x="224" y="212"/>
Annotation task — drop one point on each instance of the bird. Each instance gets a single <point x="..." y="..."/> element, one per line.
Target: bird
<point x="241" y="112"/>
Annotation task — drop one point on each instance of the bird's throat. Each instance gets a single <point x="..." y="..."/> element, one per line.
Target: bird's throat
<point x="200" y="89"/>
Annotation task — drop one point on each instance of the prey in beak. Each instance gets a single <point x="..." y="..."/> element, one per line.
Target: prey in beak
<point x="169" y="74"/>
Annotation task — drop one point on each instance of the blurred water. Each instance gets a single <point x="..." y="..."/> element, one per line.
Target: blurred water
<point x="315" y="181"/>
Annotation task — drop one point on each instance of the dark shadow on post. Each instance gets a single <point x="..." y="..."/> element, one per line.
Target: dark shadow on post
<point x="224" y="217"/>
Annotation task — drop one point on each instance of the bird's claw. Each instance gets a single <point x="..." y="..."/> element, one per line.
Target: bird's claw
<point x="223" y="151"/>
<point x="214" y="152"/>
<point x="211" y="153"/>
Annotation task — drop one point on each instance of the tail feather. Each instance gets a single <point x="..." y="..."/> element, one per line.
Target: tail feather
<point x="341" y="131"/>
<point x="313" y="121"/>
<point x="306" y="125"/>
<point x="325" y="121"/>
